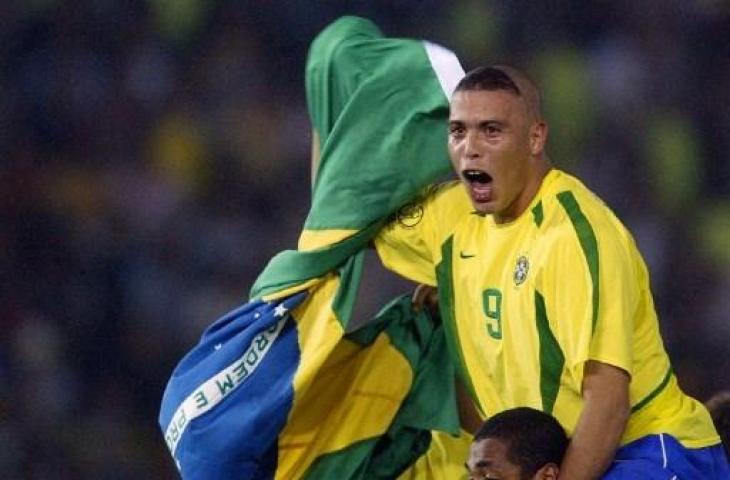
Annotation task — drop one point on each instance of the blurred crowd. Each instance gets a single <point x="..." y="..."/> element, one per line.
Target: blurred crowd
<point x="154" y="154"/>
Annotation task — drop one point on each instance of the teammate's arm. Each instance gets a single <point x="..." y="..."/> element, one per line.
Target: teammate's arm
<point x="601" y="424"/>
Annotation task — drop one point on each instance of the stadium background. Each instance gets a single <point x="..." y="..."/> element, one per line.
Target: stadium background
<point x="155" y="154"/>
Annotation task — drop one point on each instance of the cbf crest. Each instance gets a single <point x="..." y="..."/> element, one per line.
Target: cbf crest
<point x="521" y="269"/>
<point x="410" y="215"/>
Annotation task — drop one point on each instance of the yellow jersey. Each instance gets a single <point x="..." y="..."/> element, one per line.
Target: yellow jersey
<point x="527" y="303"/>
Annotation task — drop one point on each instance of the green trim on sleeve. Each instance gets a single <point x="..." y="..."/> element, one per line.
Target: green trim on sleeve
<point x="654" y="392"/>
<point x="588" y="243"/>
<point x="552" y="359"/>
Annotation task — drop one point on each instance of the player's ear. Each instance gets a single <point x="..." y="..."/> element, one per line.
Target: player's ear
<point x="538" y="137"/>
<point x="547" y="472"/>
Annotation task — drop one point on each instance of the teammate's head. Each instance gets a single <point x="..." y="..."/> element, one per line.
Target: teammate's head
<point x="719" y="407"/>
<point x="497" y="138"/>
<point x="517" y="444"/>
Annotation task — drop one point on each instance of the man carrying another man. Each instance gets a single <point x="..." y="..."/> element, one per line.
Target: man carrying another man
<point x="544" y="294"/>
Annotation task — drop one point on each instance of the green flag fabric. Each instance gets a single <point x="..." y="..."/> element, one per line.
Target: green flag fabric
<point x="379" y="107"/>
<point x="324" y="403"/>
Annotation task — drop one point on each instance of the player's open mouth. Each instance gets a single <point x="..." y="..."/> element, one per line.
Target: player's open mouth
<point x="479" y="184"/>
<point x="476" y="176"/>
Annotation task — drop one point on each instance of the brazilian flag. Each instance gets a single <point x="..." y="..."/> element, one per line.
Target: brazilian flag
<point x="280" y="387"/>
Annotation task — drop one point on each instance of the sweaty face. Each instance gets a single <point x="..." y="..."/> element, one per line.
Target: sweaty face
<point x="489" y="146"/>
<point x="488" y="461"/>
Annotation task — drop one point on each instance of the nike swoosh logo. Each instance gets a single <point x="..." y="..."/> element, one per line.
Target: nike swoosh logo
<point x="466" y="255"/>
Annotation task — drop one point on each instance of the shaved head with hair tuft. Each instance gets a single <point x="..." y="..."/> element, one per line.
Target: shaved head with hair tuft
<point x="504" y="77"/>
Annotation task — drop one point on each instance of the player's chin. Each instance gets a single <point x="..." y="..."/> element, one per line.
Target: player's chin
<point x="484" y="208"/>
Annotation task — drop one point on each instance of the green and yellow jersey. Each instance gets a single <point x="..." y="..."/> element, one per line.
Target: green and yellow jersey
<point x="527" y="303"/>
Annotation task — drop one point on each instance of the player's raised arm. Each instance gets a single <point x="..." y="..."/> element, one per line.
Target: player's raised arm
<point x="315" y="155"/>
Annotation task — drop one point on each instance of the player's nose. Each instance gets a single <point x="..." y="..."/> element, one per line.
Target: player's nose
<point x="471" y="147"/>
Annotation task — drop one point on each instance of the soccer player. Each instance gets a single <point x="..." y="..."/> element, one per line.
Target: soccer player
<point x="545" y="296"/>
<point x="517" y="444"/>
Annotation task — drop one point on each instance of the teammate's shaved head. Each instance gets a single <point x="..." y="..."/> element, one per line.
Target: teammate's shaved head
<point x="503" y="77"/>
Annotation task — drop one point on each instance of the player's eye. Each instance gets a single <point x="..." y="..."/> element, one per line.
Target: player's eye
<point x="456" y="130"/>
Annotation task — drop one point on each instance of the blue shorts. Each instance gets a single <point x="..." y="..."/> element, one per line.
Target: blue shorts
<point x="662" y="457"/>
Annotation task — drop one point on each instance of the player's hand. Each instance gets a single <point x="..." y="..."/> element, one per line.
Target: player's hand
<point x="425" y="296"/>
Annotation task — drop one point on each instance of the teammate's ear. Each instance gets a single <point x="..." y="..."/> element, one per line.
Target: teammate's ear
<point x="547" y="472"/>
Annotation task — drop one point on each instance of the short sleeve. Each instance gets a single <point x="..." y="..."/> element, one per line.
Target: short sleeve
<point x="592" y="294"/>
<point x="405" y="244"/>
<point x="410" y="244"/>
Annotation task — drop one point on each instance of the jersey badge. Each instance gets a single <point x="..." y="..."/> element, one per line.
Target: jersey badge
<point x="521" y="269"/>
<point x="410" y="215"/>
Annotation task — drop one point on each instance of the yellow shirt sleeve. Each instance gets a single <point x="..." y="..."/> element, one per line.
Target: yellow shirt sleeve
<point x="403" y="244"/>
<point x="591" y="294"/>
<point x="618" y="300"/>
<point x="410" y="245"/>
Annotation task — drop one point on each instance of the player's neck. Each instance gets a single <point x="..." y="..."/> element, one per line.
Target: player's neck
<point x="525" y="198"/>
